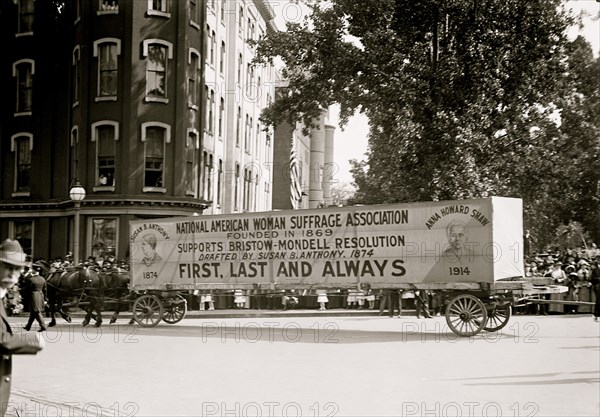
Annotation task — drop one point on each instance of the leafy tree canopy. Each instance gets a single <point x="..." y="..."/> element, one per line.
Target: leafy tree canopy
<point x="465" y="98"/>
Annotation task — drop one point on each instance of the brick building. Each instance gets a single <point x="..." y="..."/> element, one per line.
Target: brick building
<point x="138" y="100"/>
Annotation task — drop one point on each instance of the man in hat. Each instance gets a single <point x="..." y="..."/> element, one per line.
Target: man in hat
<point x="12" y="262"/>
<point x="37" y="290"/>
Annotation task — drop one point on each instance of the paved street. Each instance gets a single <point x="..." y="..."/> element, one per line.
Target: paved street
<point x="313" y="366"/>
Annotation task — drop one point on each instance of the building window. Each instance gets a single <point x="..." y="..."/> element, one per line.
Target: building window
<point x="107" y="51"/>
<point x="194" y="13"/>
<point x="248" y="30"/>
<point x="74" y="165"/>
<point x="249" y="78"/>
<point x="239" y="69"/>
<point x="221" y="117"/>
<point x="207" y="175"/>
<point x="236" y="187"/>
<point x="241" y="21"/>
<point x="21" y="145"/>
<point x="76" y="76"/>
<point x="23" y="71"/>
<point x="213" y="48"/>
<point x="22" y="231"/>
<point x="77" y="11"/>
<point x="222" y="59"/>
<point x="257" y="143"/>
<point x="220" y="182"/>
<point x="103" y="234"/>
<point x="238" y="127"/>
<point x="158" y="8"/>
<point x="193" y="76"/>
<point x="203" y="174"/>
<point x="155" y="136"/>
<point x="212" y="45"/>
<point x="191" y="164"/>
<point x="223" y="7"/>
<point x="210" y="110"/>
<point x="157" y="52"/>
<point x="105" y="134"/>
<point x="247" y="134"/>
<point x="108" y="6"/>
<point x="246" y="190"/>
<point x="255" y="199"/>
<point x="26" y="13"/>
<point x="267" y="197"/>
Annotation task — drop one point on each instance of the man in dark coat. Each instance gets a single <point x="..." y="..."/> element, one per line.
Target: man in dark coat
<point x="37" y="294"/>
<point x="12" y="261"/>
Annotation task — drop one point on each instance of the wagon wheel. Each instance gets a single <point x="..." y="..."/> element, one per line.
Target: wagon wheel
<point x="466" y="315"/>
<point x="498" y="318"/>
<point x="174" y="310"/>
<point x="147" y="310"/>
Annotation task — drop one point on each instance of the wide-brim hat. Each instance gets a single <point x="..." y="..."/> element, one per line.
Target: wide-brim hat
<point x="12" y="253"/>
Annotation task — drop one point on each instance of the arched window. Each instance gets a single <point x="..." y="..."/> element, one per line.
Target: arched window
<point x="191" y="161"/>
<point x="220" y="183"/>
<point x="193" y="77"/>
<point x="107" y="51"/>
<point x="155" y="136"/>
<point x="105" y="134"/>
<point x="194" y="14"/>
<point x="23" y="71"/>
<point x="236" y="190"/>
<point x="74" y="155"/>
<point x="22" y="145"/>
<point x="157" y="53"/>
<point x="76" y="76"/>
<point x="26" y="9"/>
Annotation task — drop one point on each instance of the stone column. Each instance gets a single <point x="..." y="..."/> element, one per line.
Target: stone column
<point x="330" y="169"/>
<point x="317" y="162"/>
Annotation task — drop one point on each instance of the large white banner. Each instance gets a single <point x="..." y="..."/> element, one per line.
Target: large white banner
<point x="434" y="242"/>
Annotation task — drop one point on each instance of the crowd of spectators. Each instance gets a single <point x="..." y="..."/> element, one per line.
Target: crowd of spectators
<point x="577" y="269"/>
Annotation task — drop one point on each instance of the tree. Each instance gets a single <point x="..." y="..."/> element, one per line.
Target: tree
<point x="341" y="193"/>
<point x="461" y="95"/>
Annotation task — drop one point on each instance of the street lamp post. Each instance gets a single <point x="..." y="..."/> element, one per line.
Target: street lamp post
<point x="77" y="194"/>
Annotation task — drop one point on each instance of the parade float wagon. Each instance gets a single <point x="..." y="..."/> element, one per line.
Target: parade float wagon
<point x="470" y="250"/>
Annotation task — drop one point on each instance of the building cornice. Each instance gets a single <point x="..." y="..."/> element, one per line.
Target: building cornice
<point x="268" y="14"/>
<point x="116" y="202"/>
<point x="265" y="10"/>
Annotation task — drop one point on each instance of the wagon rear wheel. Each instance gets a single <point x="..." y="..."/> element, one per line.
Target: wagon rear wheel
<point x="174" y="310"/>
<point x="147" y="310"/>
<point x="498" y="318"/>
<point x="466" y="315"/>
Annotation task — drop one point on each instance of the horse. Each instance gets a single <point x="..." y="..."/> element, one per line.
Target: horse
<point x="76" y="282"/>
<point x="116" y="284"/>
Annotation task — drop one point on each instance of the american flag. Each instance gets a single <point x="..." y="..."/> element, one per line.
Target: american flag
<point x="295" y="185"/>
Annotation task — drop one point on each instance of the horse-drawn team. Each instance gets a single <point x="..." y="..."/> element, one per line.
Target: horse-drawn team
<point x="87" y="286"/>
